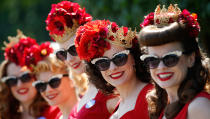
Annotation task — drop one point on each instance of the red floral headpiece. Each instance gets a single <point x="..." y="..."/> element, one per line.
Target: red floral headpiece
<point x="94" y="38"/>
<point x="14" y="49"/>
<point x="163" y="17"/>
<point x="35" y="54"/>
<point x="64" y="18"/>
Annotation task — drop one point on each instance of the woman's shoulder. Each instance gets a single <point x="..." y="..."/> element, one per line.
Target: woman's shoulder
<point x="144" y="90"/>
<point x="200" y="107"/>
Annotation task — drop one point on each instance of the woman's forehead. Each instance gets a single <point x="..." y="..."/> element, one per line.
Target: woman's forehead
<point x="45" y="76"/>
<point x="165" y="48"/>
<point x="113" y="50"/>
<point x="13" y="70"/>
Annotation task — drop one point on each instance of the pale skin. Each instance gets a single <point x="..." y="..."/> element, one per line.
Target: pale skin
<point x="92" y="91"/>
<point x="128" y="85"/>
<point x="199" y="107"/>
<point x="64" y="99"/>
<point x="24" y="99"/>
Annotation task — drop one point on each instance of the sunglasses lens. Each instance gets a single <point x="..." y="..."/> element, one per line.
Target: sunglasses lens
<point x="61" y="55"/>
<point x="41" y="87"/>
<point x="54" y="82"/>
<point x="11" y="82"/>
<point x="72" y="51"/>
<point x="152" y="62"/>
<point x="120" y="59"/>
<point x="25" y="77"/>
<point x="103" y="64"/>
<point x="170" y="60"/>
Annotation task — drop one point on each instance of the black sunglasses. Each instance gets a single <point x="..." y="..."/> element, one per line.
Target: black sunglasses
<point x="13" y="80"/>
<point x="54" y="82"/>
<point x="62" y="54"/>
<point x="170" y="59"/>
<point x="119" y="59"/>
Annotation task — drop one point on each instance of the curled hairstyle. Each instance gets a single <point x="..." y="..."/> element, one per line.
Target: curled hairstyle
<point x="10" y="106"/>
<point x="52" y="64"/>
<point x="196" y="78"/>
<point x="97" y="79"/>
<point x="80" y="81"/>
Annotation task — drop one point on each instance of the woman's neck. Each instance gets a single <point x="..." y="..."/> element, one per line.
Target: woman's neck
<point x="172" y="93"/>
<point x="67" y="106"/>
<point x="128" y="87"/>
<point x="25" y="106"/>
<point x="25" y="109"/>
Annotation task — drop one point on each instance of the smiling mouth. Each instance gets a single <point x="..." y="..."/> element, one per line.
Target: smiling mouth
<point x="51" y="96"/>
<point x="22" y="91"/>
<point x="165" y="76"/>
<point x="117" y="75"/>
<point x="76" y="65"/>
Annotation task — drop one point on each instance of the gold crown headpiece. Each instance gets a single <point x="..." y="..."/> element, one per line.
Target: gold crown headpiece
<point x="68" y="33"/>
<point x="121" y="39"/>
<point x="13" y="40"/>
<point x="165" y="16"/>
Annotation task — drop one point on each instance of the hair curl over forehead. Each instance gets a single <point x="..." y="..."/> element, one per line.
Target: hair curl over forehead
<point x="51" y="64"/>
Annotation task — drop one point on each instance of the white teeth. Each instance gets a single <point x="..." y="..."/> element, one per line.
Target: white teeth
<point x="51" y="96"/>
<point x="116" y="75"/>
<point x="164" y="75"/>
<point x="22" y="90"/>
<point x="75" y="65"/>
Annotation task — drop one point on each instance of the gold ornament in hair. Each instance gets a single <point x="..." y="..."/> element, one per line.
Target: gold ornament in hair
<point x="120" y="39"/>
<point x="68" y="33"/>
<point x="163" y="17"/>
<point x="13" y="40"/>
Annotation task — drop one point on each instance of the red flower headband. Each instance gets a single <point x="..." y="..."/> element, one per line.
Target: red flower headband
<point x="173" y="14"/>
<point x="14" y="49"/>
<point x="35" y="54"/>
<point x="64" y="18"/>
<point x="94" y="38"/>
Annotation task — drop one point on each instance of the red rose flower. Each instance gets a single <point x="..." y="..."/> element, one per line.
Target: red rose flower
<point x="31" y="56"/>
<point x="90" y="39"/>
<point x="15" y="53"/>
<point x="125" y="29"/>
<point x="63" y="14"/>
<point x="114" y="27"/>
<point x="149" y="20"/>
<point x="56" y="25"/>
<point x="45" y="49"/>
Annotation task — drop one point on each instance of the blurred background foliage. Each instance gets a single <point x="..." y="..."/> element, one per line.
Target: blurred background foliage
<point x="30" y="15"/>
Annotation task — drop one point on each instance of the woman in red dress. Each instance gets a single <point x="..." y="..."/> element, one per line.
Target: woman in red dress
<point x="176" y="65"/>
<point x="62" y="23"/>
<point x="113" y="65"/>
<point x="52" y="81"/>
<point x="19" y="99"/>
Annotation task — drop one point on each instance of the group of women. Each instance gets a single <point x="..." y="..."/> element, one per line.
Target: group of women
<point x="100" y="70"/>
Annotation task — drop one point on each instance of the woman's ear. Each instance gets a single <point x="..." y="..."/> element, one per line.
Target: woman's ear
<point x="191" y="60"/>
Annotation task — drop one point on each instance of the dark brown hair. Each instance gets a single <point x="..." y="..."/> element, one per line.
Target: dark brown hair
<point x="9" y="105"/>
<point x="97" y="79"/>
<point x="196" y="78"/>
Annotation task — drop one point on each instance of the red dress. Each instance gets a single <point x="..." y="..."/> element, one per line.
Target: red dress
<point x="183" y="113"/>
<point x="141" y="108"/>
<point x="50" y="113"/>
<point x="95" y="108"/>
